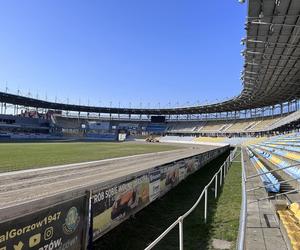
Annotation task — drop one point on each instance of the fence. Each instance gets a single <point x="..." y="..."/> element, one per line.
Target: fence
<point x="221" y="173"/>
<point x="242" y="226"/>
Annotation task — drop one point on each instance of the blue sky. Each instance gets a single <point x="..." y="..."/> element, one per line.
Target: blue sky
<point x="129" y="51"/>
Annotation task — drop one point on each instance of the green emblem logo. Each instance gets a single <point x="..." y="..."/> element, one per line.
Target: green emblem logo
<point x="71" y="221"/>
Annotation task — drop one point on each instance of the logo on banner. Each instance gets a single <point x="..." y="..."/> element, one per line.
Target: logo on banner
<point x="34" y="240"/>
<point x="71" y="221"/>
<point x="48" y="234"/>
<point x="19" y="246"/>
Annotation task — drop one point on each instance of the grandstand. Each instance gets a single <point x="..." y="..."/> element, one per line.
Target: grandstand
<point x="70" y="126"/>
<point x="22" y="126"/>
<point x="277" y="160"/>
<point x="270" y="182"/>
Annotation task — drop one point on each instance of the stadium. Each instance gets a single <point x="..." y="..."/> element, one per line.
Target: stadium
<point x="217" y="176"/>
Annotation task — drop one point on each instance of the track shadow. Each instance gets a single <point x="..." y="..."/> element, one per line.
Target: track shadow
<point x="137" y="232"/>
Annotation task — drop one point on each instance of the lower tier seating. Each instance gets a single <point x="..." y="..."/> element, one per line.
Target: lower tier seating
<point x="294" y="172"/>
<point x="268" y="179"/>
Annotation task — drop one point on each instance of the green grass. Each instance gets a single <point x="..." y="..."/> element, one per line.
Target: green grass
<point x="225" y="222"/>
<point x="17" y="156"/>
<point x="223" y="215"/>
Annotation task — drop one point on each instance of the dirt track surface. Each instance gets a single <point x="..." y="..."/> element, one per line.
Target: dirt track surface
<point x="21" y="187"/>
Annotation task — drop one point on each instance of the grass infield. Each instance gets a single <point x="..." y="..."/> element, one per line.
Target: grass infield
<point x="19" y="156"/>
<point x="225" y="221"/>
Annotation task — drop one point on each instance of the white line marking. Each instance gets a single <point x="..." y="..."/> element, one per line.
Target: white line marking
<point x="81" y="163"/>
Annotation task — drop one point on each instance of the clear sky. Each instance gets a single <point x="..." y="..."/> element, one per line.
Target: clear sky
<point x="127" y="51"/>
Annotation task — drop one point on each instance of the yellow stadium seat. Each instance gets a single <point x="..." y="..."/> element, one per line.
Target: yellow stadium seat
<point x="287" y="221"/>
<point x="297" y="215"/>
<point x="296" y="246"/>
<point x="292" y="228"/>
<point x="283" y="213"/>
<point x="294" y="207"/>
<point x="289" y="218"/>
<point x="294" y="237"/>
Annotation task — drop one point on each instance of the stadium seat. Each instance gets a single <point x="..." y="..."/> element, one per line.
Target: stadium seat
<point x="269" y="180"/>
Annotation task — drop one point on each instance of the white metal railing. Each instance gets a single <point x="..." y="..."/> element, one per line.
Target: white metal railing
<point x="243" y="214"/>
<point x="222" y="172"/>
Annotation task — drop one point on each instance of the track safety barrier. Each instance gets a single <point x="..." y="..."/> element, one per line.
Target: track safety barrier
<point x="223" y="170"/>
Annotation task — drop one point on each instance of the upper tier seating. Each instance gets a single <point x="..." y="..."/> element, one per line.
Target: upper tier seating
<point x="287" y="119"/>
<point x="240" y="126"/>
<point x="186" y="127"/>
<point x="249" y="125"/>
<point x="264" y="124"/>
<point x="68" y="123"/>
<point x="212" y="126"/>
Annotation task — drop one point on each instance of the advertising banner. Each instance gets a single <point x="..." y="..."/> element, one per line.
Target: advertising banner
<point x="57" y="227"/>
<point x="115" y="203"/>
<point x="182" y="172"/>
<point x="154" y="185"/>
<point x="191" y="165"/>
<point x="112" y="205"/>
<point x="169" y="177"/>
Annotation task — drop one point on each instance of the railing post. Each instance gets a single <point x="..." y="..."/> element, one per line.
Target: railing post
<point x="216" y="186"/>
<point x="228" y="165"/>
<point x="205" y="204"/>
<point x="179" y="221"/>
<point x="180" y="233"/>
<point x="243" y="214"/>
<point x="221" y="175"/>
